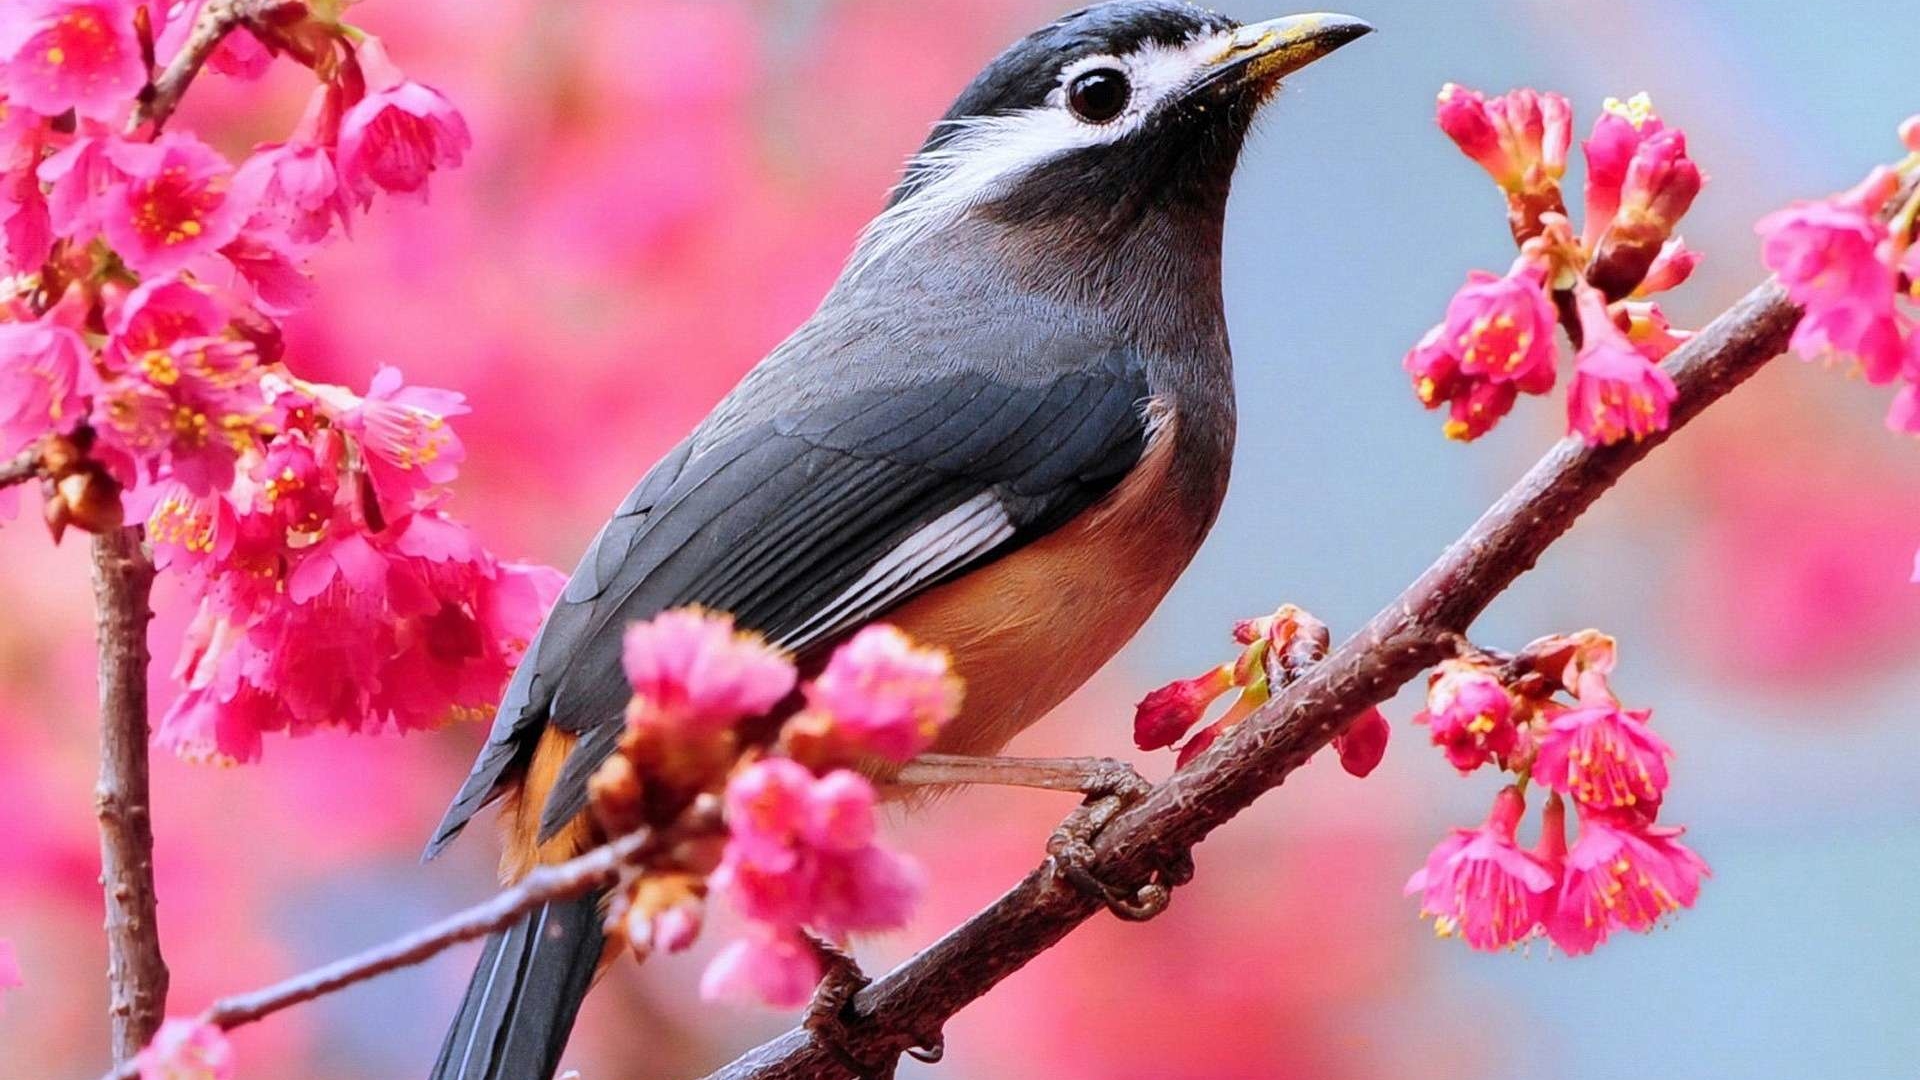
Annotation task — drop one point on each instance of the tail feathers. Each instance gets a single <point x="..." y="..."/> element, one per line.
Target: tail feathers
<point x="525" y="993"/>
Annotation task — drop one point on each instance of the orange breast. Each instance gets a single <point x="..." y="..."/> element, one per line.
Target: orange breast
<point x="1029" y="629"/>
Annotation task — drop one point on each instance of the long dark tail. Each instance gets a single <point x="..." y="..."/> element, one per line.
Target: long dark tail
<point x="524" y="996"/>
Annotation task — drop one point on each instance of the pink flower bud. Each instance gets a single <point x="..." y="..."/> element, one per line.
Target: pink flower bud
<point x="1364" y="743"/>
<point x="677" y="928"/>
<point x="1661" y="181"/>
<point x="1617" y="133"/>
<point x="1463" y="114"/>
<point x="1434" y="368"/>
<point x="1671" y="268"/>
<point x="1617" y="393"/>
<point x="1478" y="885"/>
<point x="1166" y="714"/>
<point x="1910" y="133"/>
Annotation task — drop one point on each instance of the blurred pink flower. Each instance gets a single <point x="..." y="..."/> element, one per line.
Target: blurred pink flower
<point x="884" y="695"/>
<point x="1617" y="393"/>
<point x="172" y="205"/>
<point x="692" y="671"/>
<point x="1604" y="757"/>
<point x="1480" y="886"/>
<point x="1469" y="715"/>
<point x="863" y="890"/>
<point x="768" y="808"/>
<point x="44" y="371"/>
<point x="57" y="55"/>
<point x="187" y="1050"/>
<point x="1829" y="251"/>
<point x="779" y="969"/>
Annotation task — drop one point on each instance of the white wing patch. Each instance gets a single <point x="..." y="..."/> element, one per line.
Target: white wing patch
<point x="956" y="537"/>
<point x="985" y="152"/>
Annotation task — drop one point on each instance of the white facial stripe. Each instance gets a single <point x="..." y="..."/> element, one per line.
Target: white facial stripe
<point x="983" y="153"/>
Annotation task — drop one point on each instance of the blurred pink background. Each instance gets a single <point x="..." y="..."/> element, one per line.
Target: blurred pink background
<point x="661" y="189"/>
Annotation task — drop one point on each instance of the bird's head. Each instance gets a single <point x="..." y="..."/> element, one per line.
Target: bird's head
<point x="1122" y="114"/>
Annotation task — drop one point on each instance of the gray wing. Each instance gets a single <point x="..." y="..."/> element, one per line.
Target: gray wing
<point x="806" y="524"/>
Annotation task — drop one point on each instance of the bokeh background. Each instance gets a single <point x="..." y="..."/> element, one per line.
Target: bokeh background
<point x="661" y="189"/>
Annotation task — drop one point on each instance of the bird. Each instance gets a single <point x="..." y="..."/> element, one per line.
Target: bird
<point x="1006" y="430"/>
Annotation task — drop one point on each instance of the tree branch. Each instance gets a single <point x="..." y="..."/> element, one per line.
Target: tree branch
<point x="911" y="1004"/>
<point x="217" y="19"/>
<point x="596" y="869"/>
<point x="136" y="972"/>
<point x="21" y="467"/>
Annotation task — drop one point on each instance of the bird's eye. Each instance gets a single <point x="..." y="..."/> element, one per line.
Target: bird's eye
<point x="1099" y="95"/>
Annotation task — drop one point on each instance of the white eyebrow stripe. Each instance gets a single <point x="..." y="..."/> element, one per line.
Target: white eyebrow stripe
<point x="982" y="153"/>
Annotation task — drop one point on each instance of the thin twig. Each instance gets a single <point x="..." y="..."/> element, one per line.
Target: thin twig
<point x="217" y="19"/>
<point x="136" y="972"/>
<point x="911" y="1004"/>
<point x="21" y="467"/>
<point x="563" y="881"/>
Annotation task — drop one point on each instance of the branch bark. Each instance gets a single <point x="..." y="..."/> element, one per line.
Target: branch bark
<point x="909" y="1006"/>
<point x="217" y="19"/>
<point x="136" y="971"/>
<point x="21" y="467"/>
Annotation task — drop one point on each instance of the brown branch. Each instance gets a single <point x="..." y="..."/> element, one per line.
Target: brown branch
<point x="596" y="869"/>
<point x="911" y="1004"/>
<point x="21" y="467"/>
<point x="136" y="972"/>
<point x="217" y="19"/>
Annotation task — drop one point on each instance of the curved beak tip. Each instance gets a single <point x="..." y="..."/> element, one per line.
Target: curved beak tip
<point x="1279" y="47"/>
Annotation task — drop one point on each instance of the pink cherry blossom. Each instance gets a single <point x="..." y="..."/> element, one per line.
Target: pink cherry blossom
<point x="1434" y="368"/>
<point x="174" y="204"/>
<point x="1469" y="715"/>
<point x="693" y="671"/>
<point x="768" y="808"/>
<point x="44" y="372"/>
<point x="192" y="409"/>
<point x="1617" y="392"/>
<point x="1166" y="714"/>
<point x="395" y="137"/>
<point x="778" y="969"/>
<point x="1502" y="328"/>
<point x="840" y="815"/>
<point x="884" y="695"/>
<point x="26" y="224"/>
<point x="57" y="55"/>
<point x="405" y="434"/>
<point x="187" y="1050"/>
<point x="1621" y="876"/>
<point x="1480" y="886"/>
<point x="1650" y="332"/>
<point x="240" y="54"/>
<point x="78" y="179"/>
<point x="293" y="189"/>
<point x="1477" y="408"/>
<point x="1603" y="757"/>
<point x="1830" y="251"/>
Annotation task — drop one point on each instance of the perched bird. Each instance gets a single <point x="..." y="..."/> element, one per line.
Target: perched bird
<point x="1007" y="429"/>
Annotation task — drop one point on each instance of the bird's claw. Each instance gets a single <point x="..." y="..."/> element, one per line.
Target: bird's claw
<point x="832" y="1015"/>
<point x="1070" y="852"/>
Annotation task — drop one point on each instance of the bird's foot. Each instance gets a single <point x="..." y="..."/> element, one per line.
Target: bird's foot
<point x="1071" y="854"/>
<point x="833" y="1014"/>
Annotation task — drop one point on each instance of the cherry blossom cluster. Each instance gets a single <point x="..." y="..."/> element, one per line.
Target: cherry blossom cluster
<point x="1850" y="260"/>
<point x="714" y="712"/>
<point x="1274" y="649"/>
<point x="1549" y="717"/>
<point x="141" y="359"/>
<point x="1498" y="339"/>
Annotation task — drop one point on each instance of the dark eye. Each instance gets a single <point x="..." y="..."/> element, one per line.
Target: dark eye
<point x="1099" y="95"/>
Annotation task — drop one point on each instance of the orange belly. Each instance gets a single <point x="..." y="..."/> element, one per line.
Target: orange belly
<point x="1029" y="629"/>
